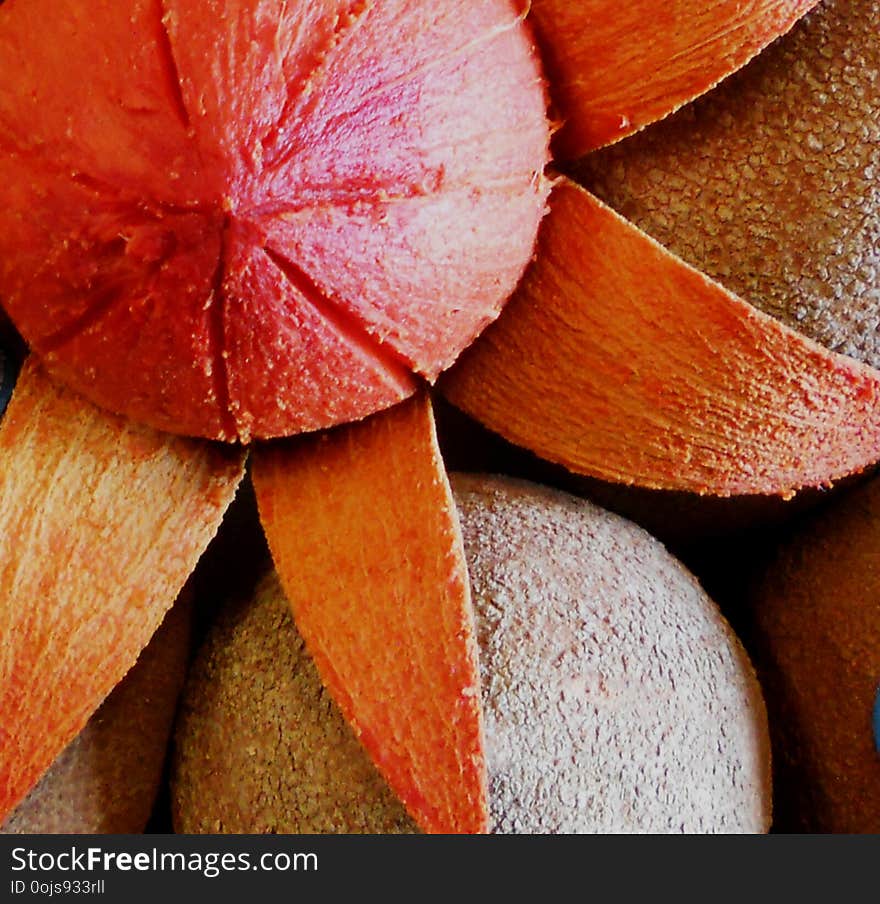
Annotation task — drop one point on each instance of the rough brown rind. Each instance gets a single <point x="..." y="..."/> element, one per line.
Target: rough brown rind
<point x="770" y="183"/>
<point x="605" y="662"/>
<point x="616" y="697"/>
<point x="817" y="616"/>
<point x="261" y="747"/>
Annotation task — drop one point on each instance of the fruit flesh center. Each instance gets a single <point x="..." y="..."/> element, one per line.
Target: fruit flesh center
<point x="253" y="218"/>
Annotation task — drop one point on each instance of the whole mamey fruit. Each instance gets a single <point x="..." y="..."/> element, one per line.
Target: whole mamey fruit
<point x="816" y="610"/>
<point x="616" y="697"/>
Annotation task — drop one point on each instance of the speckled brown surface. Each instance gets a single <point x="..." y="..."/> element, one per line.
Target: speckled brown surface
<point x="771" y="184"/>
<point x="107" y="779"/>
<point x="616" y="697"/>
<point x="260" y="746"/>
<point x="817" y="641"/>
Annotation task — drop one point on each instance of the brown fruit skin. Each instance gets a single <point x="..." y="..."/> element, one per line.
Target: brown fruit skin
<point x="816" y="613"/>
<point x="585" y="621"/>
<point x="616" y="698"/>
<point x="106" y="780"/>
<point x="769" y="183"/>
<point x="260" y="746"/>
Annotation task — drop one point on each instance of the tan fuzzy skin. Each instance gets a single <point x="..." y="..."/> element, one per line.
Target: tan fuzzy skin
<point x="616" y="697"/>
<point x="817" y="645"/>
<point x="770" y="183"/>
<point x="106" y="780"/>
<point x="602" y="652"/>
<point x="261" y="747"/>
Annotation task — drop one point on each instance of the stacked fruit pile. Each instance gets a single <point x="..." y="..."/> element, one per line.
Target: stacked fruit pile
<point x="255" y="246"/>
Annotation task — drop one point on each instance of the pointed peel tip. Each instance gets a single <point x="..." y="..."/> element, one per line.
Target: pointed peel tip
<point x="101" y="523"/>
<point x="365" y="537"/>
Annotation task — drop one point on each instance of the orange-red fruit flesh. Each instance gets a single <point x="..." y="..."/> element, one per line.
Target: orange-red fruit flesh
<point x="102" y="523"/>
<point x="618" y="360"/>
<point x="339" y="194"/>
<point x="616" y="67"/>
<point x="366" y="540"/>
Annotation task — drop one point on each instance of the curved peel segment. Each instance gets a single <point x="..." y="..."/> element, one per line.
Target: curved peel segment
<point x="101" y="523"/>
<point x="365" y="536"/>
<point x="618" y="360"/>
<point x="617" y="67"/>
<point x="107" y="779"/>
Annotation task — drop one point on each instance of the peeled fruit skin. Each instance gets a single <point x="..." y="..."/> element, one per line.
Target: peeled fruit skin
<point x="621" y="357"/>
<point x="365" y="537"/>
<point x="103" y="522"/>
<point x="816" y="614"/>
<point x="617" y="67"/>
<point x="107" y="778"/>
<point x="616" y="697"/>
<point x="274" y="216"/>
<point x="769" y="184"/>
<point x="619" y="360"/>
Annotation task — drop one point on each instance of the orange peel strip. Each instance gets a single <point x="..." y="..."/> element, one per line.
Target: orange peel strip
<point x="102" y="523"/>
<point x="618" y="360"/>
<point x="616" y="67"/>
<point x="365" y="537"/>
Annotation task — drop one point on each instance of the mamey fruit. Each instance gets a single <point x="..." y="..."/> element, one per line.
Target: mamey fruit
<point x="621" y="360"/>
<point x="616" y="697"/>
<point x="769" y="183"/>
<point x="637" y="63"/>
<point x="145" y="264"/>
<point x="816" y="612"/>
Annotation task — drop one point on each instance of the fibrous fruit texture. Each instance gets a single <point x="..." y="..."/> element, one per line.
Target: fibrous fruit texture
<point x="363" y="531"/>
<point x="622" y="360"/>
<point x="769" y="184"/>
<point x="106" y="780"/>
<point x="103" y="521"/>
<point x="256" y="218"/>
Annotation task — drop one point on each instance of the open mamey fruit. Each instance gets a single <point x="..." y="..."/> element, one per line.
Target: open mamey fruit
<point x="616" y="697"/>
<point x="620" y="360"/>
<point x="248" y="219"/>
<point x="254" y="219"/>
